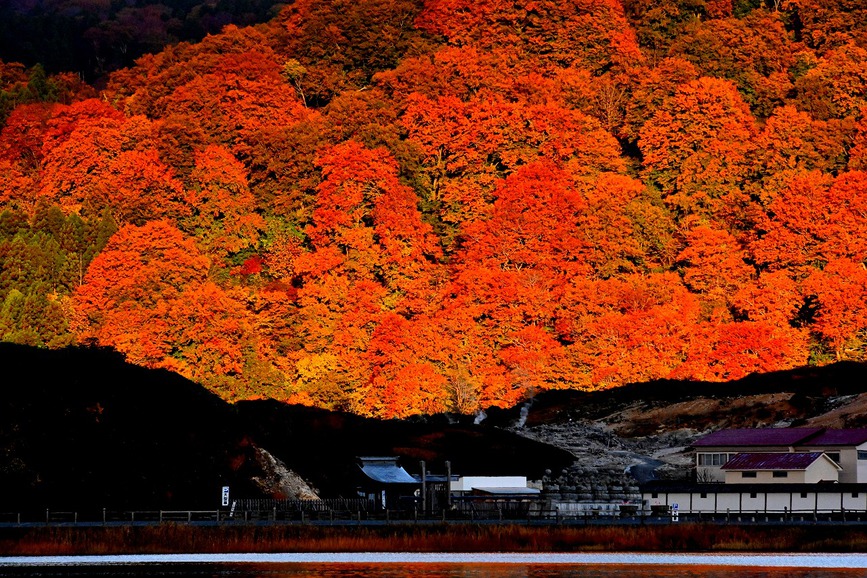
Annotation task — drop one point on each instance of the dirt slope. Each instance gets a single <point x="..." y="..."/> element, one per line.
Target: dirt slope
<point x="647" y="428"/>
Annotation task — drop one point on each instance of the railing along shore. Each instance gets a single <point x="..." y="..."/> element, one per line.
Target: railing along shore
<point x="319" y="514"/>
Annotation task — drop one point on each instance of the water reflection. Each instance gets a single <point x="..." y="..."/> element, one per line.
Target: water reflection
<point x="414" y="571"/>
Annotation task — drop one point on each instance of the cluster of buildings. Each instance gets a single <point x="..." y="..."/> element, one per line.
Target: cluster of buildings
<point x="771" y="471"/>
<point x="779" y="472"/>
<point x="385" y="484"/>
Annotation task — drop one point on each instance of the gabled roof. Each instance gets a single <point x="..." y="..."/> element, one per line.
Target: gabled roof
<point x="759" y="437"/>
<point x="385" y="471"/>
<point x="776" y="462"/>
<point x="838" y="437"/>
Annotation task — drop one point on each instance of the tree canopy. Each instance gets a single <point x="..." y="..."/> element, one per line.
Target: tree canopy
<point x="395" y="207"/>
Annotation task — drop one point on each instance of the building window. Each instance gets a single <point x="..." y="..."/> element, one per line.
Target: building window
<point x="748" y="474"/>
<point x="803" y="494"/>
<point x="703" y="495"/>
<point x="834" y="456"/>
<point x="708" y="460"/>
<point x="781" y="474"/>
<point x="862" y="455"/>
<point x="854" y="494"/>
<point x="754" y="495"/>
<point x="654" y="495"/>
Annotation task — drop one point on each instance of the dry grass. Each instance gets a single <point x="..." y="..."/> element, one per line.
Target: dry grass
<point x="175" y="538"/>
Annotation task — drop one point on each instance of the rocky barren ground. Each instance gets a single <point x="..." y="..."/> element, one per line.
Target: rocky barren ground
<point x="646" y="430"/>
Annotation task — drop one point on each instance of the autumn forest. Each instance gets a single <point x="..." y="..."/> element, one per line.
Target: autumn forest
<point x="394" y="207"/>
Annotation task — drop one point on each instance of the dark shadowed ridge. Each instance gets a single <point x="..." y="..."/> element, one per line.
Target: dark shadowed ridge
<point x="81" y="428"/>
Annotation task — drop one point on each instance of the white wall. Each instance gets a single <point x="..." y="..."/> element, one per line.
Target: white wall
<point x="467" y="483"/>
<point x="771" y="502"/>
<point x="793" y="477"/>
<point x="854" y="470"/>
<point x="822" y="470"/>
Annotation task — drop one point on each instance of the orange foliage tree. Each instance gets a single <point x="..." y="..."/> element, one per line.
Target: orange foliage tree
<point x="104" y="161"/>
<point x="714" y="264"/>
<point x="335" y="47"/>
<point x="792" y="141"/>
<point x="835" y="86"/>
<point x="148" y="296"/>
<point x="813" y="221"/>
<point x="726" y="351"/>
<point x="628" y="328"/>
<point x="755" y="52"/>
<point x="594" y="33"/>
<point x="467" y="146"/>
<point x="698" y="145"/>
<point x="224" y="219"/>
<point x="840" y="294"/>
<point x="370" y="254"/>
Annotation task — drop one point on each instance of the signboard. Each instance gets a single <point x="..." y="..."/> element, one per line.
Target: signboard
<point x="675" y="514"/>
<point x="225" y="501"/>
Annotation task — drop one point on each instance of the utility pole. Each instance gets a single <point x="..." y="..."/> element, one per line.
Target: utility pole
<point x="423" y="487"/>
<point x="448" y="485"/>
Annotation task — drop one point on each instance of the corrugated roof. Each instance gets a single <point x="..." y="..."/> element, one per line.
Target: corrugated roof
<point x="760" y="437"/>
<point x="838" y="437"/>
<point x="789" y="461"/>
<point x="385" y="471"/>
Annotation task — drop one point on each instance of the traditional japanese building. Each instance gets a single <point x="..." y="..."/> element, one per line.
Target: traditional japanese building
<point x="383" y="481"/>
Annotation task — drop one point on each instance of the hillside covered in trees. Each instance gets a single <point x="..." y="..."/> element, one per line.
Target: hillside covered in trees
<point x="395" y="207"/>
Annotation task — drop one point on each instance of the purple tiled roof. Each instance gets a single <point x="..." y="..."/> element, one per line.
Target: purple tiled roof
<point x="758" y="437"/>
<point x="838" y="437"/>
<point x="787" y="461"/>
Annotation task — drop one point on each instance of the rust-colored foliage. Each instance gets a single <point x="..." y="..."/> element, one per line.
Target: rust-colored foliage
<point x="840" y="293"/>
<point x="594" y="33"/>
<point x="836" y="84"/>
<point x="396" y="207"/>
<point x="814" y="220"/>
<point x="755" y="52"/>
<point x="698" y="145"/>
<point x="148" y="296"/>
<point x="224" y="217"/>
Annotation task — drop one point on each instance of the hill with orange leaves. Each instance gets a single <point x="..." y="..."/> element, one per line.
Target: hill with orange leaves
<point x="395" y="207"/>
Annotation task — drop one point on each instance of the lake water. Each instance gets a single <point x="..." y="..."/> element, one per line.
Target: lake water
<point x="440" y="566"/>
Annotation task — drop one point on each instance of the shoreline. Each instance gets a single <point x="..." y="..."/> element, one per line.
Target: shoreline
<point x="178" y="539"/>
<point x="765" y="560"/>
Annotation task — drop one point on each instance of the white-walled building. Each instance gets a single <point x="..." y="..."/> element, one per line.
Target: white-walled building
<point x="493" y="485"/>
<point x="846" y="447"/>
<point x="803" y="500"/>
<point x="774" y="471"/>
<point x="789" y="468"/>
